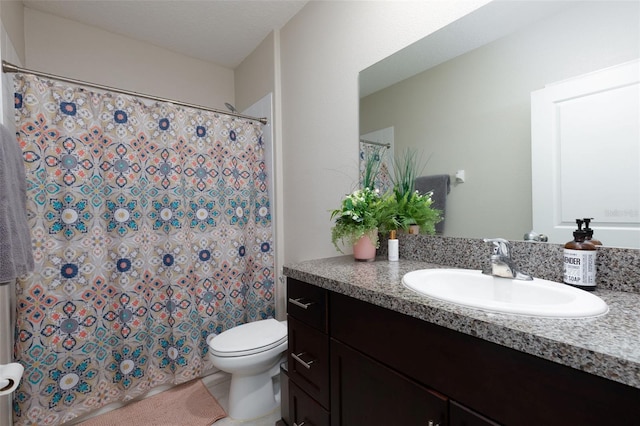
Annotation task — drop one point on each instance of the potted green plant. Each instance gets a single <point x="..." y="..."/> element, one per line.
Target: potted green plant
<point x="413" y="211"/>
<point x="360" y="214"/>
<point x="356" y="223"/>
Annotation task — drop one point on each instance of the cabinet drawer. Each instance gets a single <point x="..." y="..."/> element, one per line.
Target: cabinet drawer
<point x="308" y="360"/>
<point x="307" y="303"/>
<point x="304" y="410"/>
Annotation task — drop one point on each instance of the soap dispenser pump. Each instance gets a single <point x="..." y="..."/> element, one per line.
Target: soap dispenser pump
<point x="589" y="231"/>
<point x="580" y="260"/>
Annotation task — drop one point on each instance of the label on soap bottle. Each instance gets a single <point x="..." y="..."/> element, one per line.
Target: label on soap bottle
<point x="580" y="267"/>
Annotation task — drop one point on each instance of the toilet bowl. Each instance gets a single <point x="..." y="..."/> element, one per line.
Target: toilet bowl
<point x="250" y="353"/>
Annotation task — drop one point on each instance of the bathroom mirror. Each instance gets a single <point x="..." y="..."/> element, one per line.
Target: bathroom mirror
<point x="462" y="96"/>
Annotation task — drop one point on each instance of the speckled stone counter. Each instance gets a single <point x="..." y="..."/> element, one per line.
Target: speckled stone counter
<point x="607" y="346"/>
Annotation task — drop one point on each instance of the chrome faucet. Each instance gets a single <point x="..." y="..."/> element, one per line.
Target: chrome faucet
<point x="501" y="262"/>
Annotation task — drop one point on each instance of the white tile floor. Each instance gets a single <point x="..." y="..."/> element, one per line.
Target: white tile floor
<point x="218" y="385"/>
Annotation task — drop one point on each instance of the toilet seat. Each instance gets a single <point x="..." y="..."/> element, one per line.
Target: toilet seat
<point x="250" y="338"/>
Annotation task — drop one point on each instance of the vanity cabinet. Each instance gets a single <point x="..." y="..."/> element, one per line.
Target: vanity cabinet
<point x="365" y="392"/>
<point x="459" y="415"/>
<point x="308" y="357"/>
<point x="387" y="368"/>
<point x="307" y="354"/>
<point x="304" y="410"/>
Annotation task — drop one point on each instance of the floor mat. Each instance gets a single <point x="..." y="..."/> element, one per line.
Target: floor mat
<point x="188" y="404"/>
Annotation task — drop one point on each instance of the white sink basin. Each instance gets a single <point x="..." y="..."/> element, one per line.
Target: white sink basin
<point x="538" y="298"/>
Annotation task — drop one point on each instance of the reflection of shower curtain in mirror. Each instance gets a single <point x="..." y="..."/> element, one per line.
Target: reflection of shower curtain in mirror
<point x="151" y="229"/>
<point x="384" y="156"/>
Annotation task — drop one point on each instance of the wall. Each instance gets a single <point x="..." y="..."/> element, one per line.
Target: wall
<point x="11" y="50"/>
<point x="10" y="37"/>
<point x="473" y="112"/>
<point x="255" y="76"/>
<point x="12" y="13"/>
<point x="67" y="48"/>
<point x="322" y="50"/>
<point x="258" y="76"/>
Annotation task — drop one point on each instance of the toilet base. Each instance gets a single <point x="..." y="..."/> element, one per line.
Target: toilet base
<point x="252" y="393"/>
<point x="252" y="396"/>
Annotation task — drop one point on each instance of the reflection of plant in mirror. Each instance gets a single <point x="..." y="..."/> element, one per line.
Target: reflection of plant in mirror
<point x="414" y="208"/>
<point x="372" y="165"/>
<point x="411" y="207"/>
<point x="382" y="157"/>
<point x="406" y="169"/>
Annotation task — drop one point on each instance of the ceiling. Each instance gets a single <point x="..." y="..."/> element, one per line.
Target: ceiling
<point x="220" y="31"/>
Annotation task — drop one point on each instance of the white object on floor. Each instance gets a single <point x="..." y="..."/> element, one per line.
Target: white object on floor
<point x="10" y="375"/>
<point x="250" y="353"/>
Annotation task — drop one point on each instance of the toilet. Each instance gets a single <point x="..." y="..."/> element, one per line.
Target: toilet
<point x="250" y="353"/>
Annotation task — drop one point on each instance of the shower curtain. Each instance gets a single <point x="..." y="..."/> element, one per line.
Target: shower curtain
<point x="151" y="229"/>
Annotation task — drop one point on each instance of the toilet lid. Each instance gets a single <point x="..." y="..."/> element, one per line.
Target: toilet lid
<point x="249" y="338"/>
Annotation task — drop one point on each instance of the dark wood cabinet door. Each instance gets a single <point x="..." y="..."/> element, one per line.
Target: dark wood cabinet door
<point x="365" y="392"/>
<point x="459" y="415"/>
<point x="304" y="410"/>
<point x="308" y="360"/>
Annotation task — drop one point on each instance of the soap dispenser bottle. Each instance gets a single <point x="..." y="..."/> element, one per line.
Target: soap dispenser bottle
<point x="580" y="260"/>
<point x="393" y="246"/>
<point x="589" y="231"/>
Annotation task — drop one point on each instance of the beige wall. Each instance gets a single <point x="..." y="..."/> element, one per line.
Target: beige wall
<point x="255" y="76"/>
<point x="10" y="33"/>
<point x="65" y="47"/>
<point x="473" y="112"/>
<point x="11" y="50"/>
<point x="322" y="50"/>
<point x="12" y="14"/>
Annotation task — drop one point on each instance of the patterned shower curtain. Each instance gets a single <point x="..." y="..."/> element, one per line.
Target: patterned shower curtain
<point x="151" y="229"/>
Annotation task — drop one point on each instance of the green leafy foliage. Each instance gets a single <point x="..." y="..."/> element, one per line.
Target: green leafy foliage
<point x="358" y="215"/>
<point x="360" y="212"/>
<point x="372" y="165"/>
<point x="409" y="206"/>
<point x="406" y="169"/>
<point x="414" y="208"/>
<point x="365" y="211"/>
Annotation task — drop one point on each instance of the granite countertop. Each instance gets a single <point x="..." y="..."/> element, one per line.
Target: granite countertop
<point x="606" y="346"/>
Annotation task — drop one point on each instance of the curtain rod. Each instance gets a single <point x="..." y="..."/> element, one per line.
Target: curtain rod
<point x="10" y="68"/>
<point x="386" y="145"/>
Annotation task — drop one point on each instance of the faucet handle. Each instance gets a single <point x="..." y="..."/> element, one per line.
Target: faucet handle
<point x="501" y="246"/>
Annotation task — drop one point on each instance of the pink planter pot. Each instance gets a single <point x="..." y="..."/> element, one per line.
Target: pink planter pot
<point x="365" y="250"/>
<point x="414" y="229"/>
